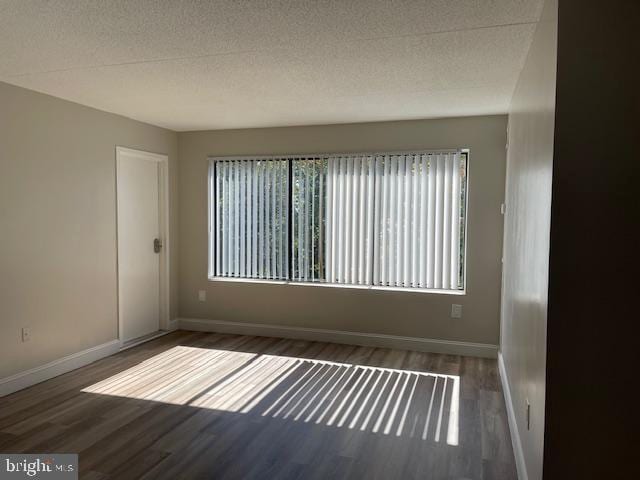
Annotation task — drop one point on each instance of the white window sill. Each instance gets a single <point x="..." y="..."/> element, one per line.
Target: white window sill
<point x="337" y="285"/>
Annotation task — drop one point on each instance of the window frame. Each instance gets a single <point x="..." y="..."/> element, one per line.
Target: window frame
<point x="211" y="211"/>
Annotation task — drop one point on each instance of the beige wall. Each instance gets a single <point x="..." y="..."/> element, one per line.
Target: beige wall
<point x="58" y="224"/>
<point x="397" y="313"/>
<point x="526" y="241"/>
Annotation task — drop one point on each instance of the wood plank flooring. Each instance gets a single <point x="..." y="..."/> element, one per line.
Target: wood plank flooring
<point x="193" y="405"/>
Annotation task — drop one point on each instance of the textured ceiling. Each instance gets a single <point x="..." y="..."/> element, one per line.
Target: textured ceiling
<point x="193" y="65"/>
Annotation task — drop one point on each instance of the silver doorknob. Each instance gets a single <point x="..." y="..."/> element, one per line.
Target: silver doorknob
<point x="157" y="245"/>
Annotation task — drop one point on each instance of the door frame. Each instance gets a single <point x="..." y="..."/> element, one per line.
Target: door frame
<point x="163" y="222"/>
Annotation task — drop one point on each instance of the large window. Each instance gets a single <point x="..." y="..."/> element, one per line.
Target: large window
<point x="377" y="220"/>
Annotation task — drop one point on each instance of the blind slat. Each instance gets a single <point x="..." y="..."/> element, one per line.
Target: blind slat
<point x="321" y="217"/>
<point x="329" y="222"/>
<point x="355" y="219"/>
<point x="393" y="221"/>
<point x="305" y="223"/>
<point x="415" y="223"/>
<point x="377" y="228"/>
<point x="281" y="218"/>
<point x="368" y="258"/>
<point x="312" y="241"/>
<point x="267" y="219"/>
<point x="236" y="218"/>
<point x="406" y="250"/>
<point x="437" y="282"/>
<point x="260" y="206"/>
<point x="218" y="207"/>
<point x="254" y="223"/>
<point x="384" y="245"/>
<point x="431" y="221"/>
<point x="446" y="227"/>
<point x="340" y="215"/>
<point x="229" y="218"/>
<point x="455" y="223"/>
<point x="223" y="218"/>
<point x="362" y="219"/>
<point x="299" y="218"/>
<point x="424" y="214"/>
<point x="273" y="239"/>
<point x="346" y="240"/>
<point x="242" y="208"/>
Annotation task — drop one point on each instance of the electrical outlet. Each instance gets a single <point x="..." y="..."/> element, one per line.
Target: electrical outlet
<point x="456" y="311"/>
<point x="26" y="334"/>
<point x="202" y="295"/>
<point x="528" y="414"/>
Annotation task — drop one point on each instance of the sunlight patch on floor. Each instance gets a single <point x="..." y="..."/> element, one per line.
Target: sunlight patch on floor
<point x="362" y="398"/>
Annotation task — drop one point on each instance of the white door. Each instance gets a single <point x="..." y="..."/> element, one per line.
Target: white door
<point x="138" y="228"/>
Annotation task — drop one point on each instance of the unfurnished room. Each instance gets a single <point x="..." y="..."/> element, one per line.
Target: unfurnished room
<point x="341" y="239"/>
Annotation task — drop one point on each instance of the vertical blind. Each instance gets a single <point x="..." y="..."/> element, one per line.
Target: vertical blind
<point x="419" y="222"/>
<point x="394" y="220"/>
<point x="350" y="210"/>
<point x="251" y="211"/>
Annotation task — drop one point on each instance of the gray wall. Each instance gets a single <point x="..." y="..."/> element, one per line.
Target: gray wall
<point x="526" y="239"/>
<point x="397" y="313"/>
<point x="58" y="224"/>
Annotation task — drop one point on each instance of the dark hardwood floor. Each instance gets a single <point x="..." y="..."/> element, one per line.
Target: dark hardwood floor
<point x="200" y="405"/>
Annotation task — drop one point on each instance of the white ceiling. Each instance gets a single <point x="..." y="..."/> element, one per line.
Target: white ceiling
<point x="194" y="65"/>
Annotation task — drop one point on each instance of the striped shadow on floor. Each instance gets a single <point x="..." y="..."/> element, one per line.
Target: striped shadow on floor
<point x="341" y="395"/>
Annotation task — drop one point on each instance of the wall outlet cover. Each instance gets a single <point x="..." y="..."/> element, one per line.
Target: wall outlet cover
<point x="26" y="334"/>
<point x="456" y="311"/>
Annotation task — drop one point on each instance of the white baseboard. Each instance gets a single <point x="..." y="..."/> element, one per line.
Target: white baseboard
<point x="173" y="324"/>
<point x="147" y="338"/>
<point x="57" y="367"/>
<point x="513" y="425"/>
<point x="338" y="336"/>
